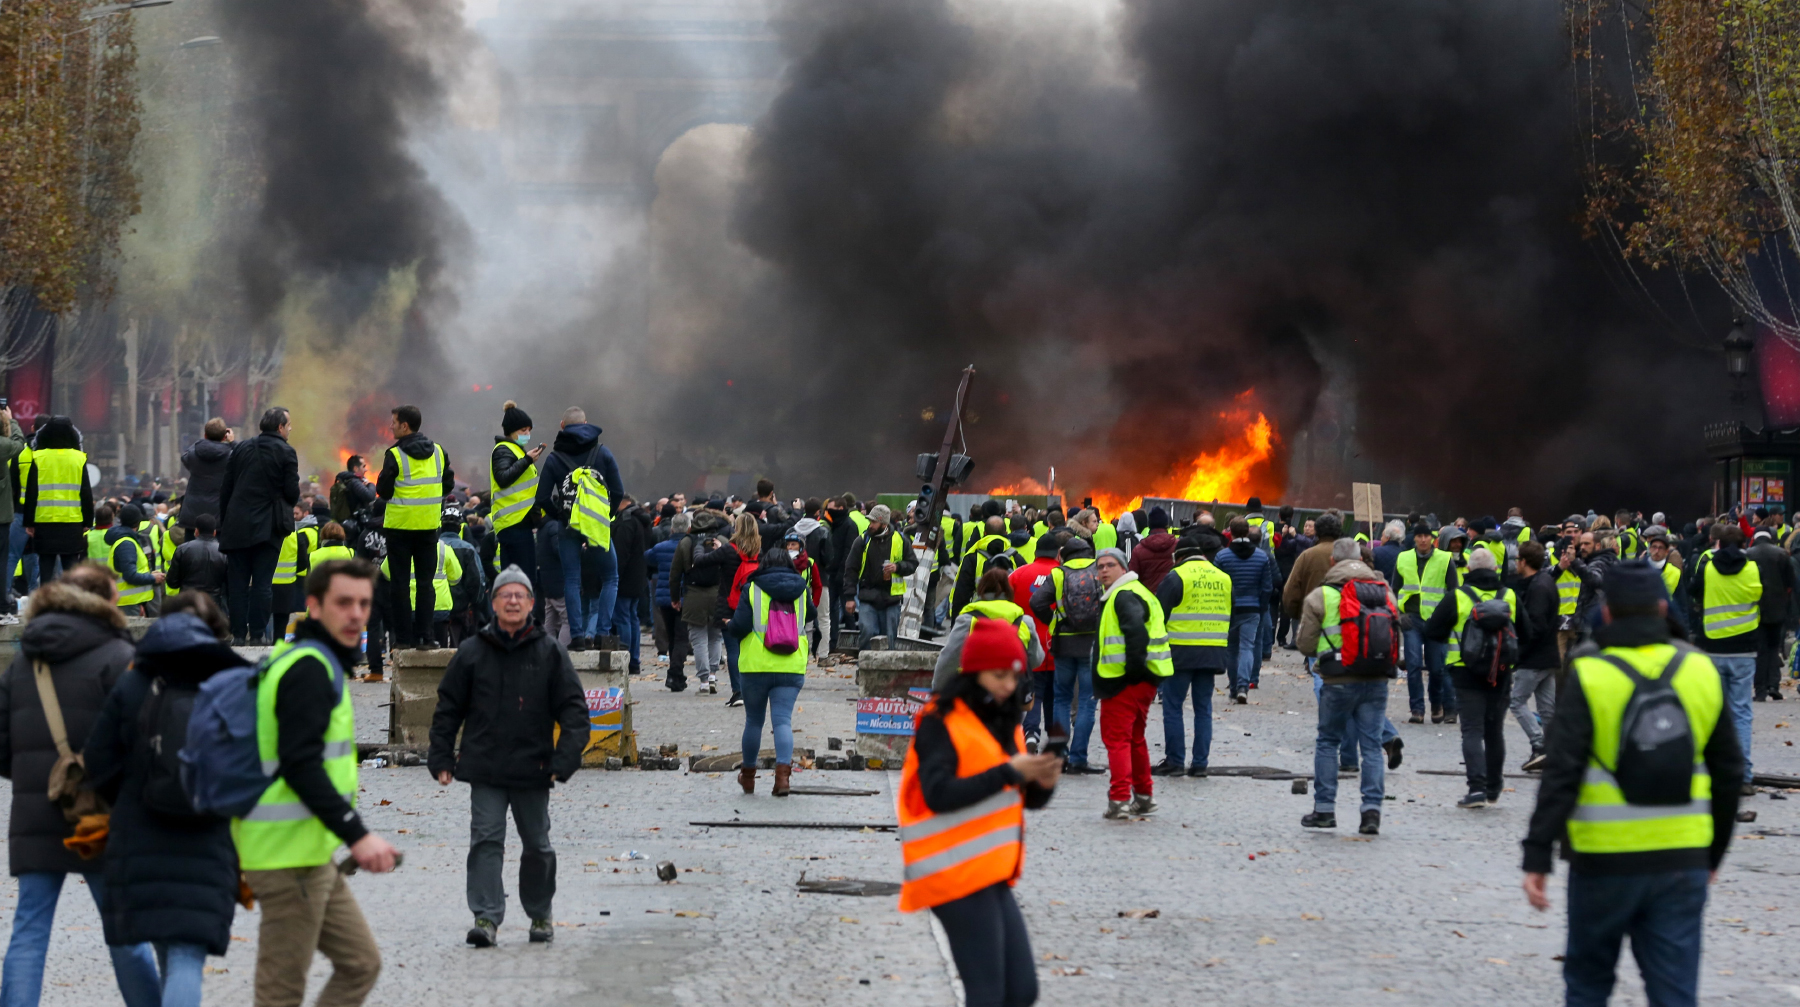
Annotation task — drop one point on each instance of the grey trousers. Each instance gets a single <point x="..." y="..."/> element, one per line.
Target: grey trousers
<point x="707" y="644"/>
<point x="1529" y="682"/>
<point x="487" y="851"/>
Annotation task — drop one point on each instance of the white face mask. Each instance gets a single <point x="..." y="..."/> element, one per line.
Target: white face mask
<point x="794" y="555"/>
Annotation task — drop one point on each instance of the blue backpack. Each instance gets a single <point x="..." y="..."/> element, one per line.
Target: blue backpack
<point x="221" y="766"/>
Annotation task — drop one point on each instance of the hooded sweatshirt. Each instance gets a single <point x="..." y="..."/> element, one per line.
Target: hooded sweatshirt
<point x="417" y="447"/>
<point x="1153" y="557"/>
<point x="780" y="582"/>
<point x="576" y="445"/>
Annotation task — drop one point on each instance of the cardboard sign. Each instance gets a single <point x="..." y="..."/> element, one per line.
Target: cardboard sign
<point x="606" y="710"/>
<point x="1366" y="501"/>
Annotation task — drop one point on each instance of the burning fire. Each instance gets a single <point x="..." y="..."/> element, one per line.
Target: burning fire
<point x="1024" y="487"/>
<point x="1224" y="474"/>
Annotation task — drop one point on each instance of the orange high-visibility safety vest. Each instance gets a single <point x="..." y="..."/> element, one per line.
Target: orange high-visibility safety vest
<point x="960" y="852"/>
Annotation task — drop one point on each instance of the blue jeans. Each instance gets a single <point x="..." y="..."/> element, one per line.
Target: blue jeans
<point x="583" y="607"/>
<point x="1075" y="684"/>
<point x="604" y="563"/>
<point x="626" y="627"/>
<point x="1423" y="655"/>
<point x="182" y="966"/>
<point x="1174" y="694"/>
<point x="1043" y="686"/>
<point x="22" y="975"/>
<point x="1660" y="910"/>
<point x="732" y="646"/>
<point x="1266" y="637"/>
<point x="1347" y="756"/>
<point x="876" y="622"/>
<point x="1739" y="673"/>
<point x="776" y="693"/>
<point x="1354" y="709"/>
<point x="1244" y="660"/>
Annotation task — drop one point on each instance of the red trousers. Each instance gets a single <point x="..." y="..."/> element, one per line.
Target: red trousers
<point x="1122" y="731"/>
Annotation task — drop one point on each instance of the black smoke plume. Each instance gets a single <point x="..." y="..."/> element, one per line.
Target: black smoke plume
<point x="334" y="87"/>
<point x="1275" y="194"/>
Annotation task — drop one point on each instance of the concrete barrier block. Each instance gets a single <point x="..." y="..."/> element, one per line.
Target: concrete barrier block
<point x="888" y="674"/>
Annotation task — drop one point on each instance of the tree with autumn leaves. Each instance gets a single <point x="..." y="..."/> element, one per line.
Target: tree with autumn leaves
<point x="68" y="120"/>
<point x="1692" y="112"/>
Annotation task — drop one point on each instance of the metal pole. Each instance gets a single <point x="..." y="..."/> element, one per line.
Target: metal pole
<point x="913" y="608"/>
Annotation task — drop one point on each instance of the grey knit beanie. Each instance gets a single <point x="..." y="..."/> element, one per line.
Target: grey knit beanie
<point x="513" y="575"/>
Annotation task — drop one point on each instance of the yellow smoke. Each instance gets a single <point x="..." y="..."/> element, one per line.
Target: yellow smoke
<point x="325" y="370"/>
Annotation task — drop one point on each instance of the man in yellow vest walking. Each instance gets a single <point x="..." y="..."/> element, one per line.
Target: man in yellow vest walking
<point x="307" y="726"/>
<point x="1725" y="594"/>
<point x="415" y="478"/>
<point x="1641" y="786"/>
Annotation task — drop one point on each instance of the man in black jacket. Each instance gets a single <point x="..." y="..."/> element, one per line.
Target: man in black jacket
<point x="507" y="689"/>
<point x="1540" y="667"/>
<point x="843" y="533"/>
<point x="1777" y="571"/>
<point x="205" y="461"/>
<point x="631" y="536"/>
<point x="351" y="492"/>
<point x="876" y="605"/>
<point x="262" y="485"/>
<point x="1733" y="651"/>
<point x="1655" y="888"/>
<point x="198" y="565"/>
<point x="412" y="551"/>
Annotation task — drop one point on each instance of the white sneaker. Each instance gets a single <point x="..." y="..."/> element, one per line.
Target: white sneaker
<point x="1031" y="743"/>
<point x="9" y="619"/>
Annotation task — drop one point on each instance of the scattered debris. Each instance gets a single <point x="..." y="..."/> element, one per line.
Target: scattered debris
<point x="1140" y="914"/>
<point x="848" y="886"/>
<point x="665" y="871"/>
<point x="857" y="826"/>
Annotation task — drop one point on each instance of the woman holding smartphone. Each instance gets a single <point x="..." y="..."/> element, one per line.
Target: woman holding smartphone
<point x="963" y="792"/>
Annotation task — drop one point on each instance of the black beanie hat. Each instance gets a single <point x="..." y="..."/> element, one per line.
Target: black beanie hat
<point x="1634" y="584"/>
<point x="514" y="419"/>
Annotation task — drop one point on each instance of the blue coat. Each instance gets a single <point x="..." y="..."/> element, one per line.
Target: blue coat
<point x="659" y="556"/>
<point x="1252" y="573"/>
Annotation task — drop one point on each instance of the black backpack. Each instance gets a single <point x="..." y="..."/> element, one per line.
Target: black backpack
<point x="1656" y="741"/>
<point x="162" y="733"/>
<point x="1490" y="642"/>
<point x="703" y="576"/>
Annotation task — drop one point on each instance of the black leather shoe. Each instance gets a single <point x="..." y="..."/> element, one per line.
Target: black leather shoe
<point x="1166" y="769"/>
<point x="1197" y="771"/>
<point x="1319" y="820"/>
<point x="1371" y="823"/>
<point x="1393" y="746"/>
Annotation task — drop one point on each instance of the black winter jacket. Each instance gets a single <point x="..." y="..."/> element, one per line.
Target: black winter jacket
<point x="843" y="532"/>
<point x="1443" y="622"/>
<point x="940" y="782"/>
<point x="166" y="880"/>
<point x="1134" y="626"/>
<point x="507" y="465"/>
<point x="575" y="446"/>
<point x="1538" y="601"/>
<point x="630" y="537"/>
<point x="1568" y="746"/>
<point x="205" y="463"/>
<point x="198" y="565"/>
<point x="1208" y="660"/>
<point x="417" y="447"/>
<point x="83" y="639"/>
<point x="872" y="587"/>
<point x="262" y="485"/>
<point x="507" y="694"/>
<point x="57" y="537"/>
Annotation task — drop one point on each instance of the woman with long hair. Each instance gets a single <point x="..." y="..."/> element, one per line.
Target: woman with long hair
<point x="739" y="563"/>
<point x="964" y="788"/>
<point x="768" y="630"/>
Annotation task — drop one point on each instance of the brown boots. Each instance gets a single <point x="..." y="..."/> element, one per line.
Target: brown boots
<point x="781" y="779"/>
<point x="747" y="779"/>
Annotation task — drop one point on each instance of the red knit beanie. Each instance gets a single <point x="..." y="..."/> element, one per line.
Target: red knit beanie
<point x="992" y="645"/>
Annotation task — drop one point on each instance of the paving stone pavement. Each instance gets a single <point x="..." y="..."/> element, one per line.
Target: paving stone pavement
<point x="1428" y="910"/>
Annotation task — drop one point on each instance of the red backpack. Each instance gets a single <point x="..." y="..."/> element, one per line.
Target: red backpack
<point x="746" y="569"/>
<point x="1370" y="628"/>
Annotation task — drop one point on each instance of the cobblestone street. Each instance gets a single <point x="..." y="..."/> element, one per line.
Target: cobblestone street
<point x="1249" y="907"/>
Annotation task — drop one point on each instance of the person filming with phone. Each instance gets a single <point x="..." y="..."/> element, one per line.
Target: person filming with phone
<point x="964" y="789"/>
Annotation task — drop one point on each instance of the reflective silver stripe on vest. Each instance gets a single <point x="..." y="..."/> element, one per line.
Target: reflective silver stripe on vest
<point x="339" y="749"/>
<point x="951" y="819"/>
<point x="1159" y="655"/>
<point x="1113" y="641"/>
<point x="279" y="812"/>
<point x="416" y="501"/>
<point x="271" y="766"/>
<point x="1430" y="590"/>
<point x="58" y="486"/>
<point x="1637" y="812"/>
<point x="1178" y="637"/>
<point x="509" y="511"/>
<point x="597" y="517"/>
<point x="963" y="851"/>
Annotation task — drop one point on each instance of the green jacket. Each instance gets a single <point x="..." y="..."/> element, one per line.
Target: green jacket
<point x="11" y="445"/>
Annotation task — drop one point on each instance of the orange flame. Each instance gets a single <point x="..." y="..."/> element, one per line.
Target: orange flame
<point x="1224" y="474"/>
<point x="1024" y="487"/>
